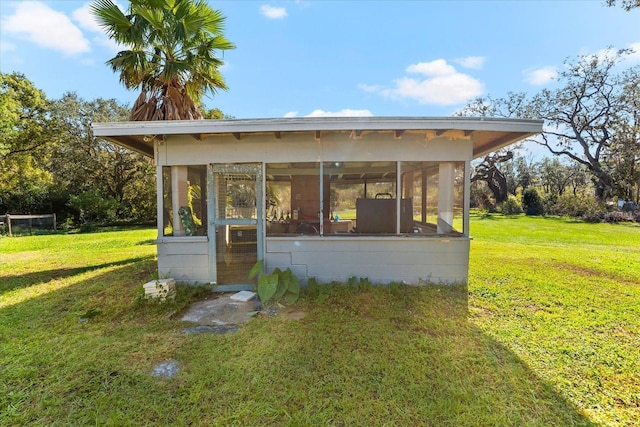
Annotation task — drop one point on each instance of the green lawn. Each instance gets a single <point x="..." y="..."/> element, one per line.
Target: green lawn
<point x="546" y="333"/>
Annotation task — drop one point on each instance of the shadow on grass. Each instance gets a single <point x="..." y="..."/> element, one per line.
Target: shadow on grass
<point x="409" y="357"/>
<point x="146" y="242"/>
<point x="483" y="215"/>
<point x="11" y="282"/>
<point x="384" y="356"/>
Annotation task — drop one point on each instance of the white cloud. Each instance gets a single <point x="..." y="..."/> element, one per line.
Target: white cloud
<point x="272" y="12"/>
<point x="342" y="113"/>
<point x="540" y="76"/>
<point x="439" y="67"/>
<point x="442" y="84"/>
<point x="473" y="62"/>
<point x="37" y="22"/>
<point x="610" y="53"/>
<point x="88" y="22"/>
<point x="7" y="47"/>
<point x="605" y="54"/>
<point x="369" y="88"/>
<point x="291" y="114"/>
<point x="635" y="55"/>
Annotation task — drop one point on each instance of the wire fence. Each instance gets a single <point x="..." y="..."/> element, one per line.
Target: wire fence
<point x="23" y="223"/>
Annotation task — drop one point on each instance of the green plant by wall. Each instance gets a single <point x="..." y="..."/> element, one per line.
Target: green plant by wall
<point x="277" y="286"/>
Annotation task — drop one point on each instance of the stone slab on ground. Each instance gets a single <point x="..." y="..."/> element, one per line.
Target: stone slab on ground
<point x="207" y="329"/>
<point x="220" y="310"/>
<point x="243" y="296"/>
<point x="166" y="369"/>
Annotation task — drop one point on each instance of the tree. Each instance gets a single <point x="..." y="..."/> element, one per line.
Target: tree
<point x="215" y="114"/>
<point x="488" y="171"/>
<point x="26" y="130"/>
<point x="625" y="4"/>
<point x="532" y="202"/>
<point x="623" y="157"/>
<point x="525" y="172"/>
<point x="86" y="165"/>
<point x="552" y="176"/>
<point x="171" y="56"/>
<point x="23" y="116"/>
<point x="494" y="168"/>
<point x="582" y="115"/>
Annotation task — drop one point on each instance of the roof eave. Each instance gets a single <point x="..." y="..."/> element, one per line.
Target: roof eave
<point x="139" y="136"/>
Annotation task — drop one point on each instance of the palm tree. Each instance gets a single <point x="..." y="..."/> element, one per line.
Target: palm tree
<point x="171" y="56"/>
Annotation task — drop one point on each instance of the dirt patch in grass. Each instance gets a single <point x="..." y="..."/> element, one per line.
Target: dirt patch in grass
<point x="595" y="273"/>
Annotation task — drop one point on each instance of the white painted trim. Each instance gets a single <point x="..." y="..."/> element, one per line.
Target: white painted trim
<point x="182" y="239"/>
<point x="160" y="201"/>
<point x="467" y="198"/>
<point x="359" y="238"/>
<point x="303" y="124"/>
<point x="398" y="196"/>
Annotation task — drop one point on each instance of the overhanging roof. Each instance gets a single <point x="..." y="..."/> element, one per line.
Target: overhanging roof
<point x="488" y="134"/>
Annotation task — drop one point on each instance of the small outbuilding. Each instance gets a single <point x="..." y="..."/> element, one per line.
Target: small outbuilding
<point x="383" y="198"/>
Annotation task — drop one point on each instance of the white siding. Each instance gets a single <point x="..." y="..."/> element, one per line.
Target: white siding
<point x="184" y="259"/>
<point x="414" y="260"/>
<point x="333" y="146"/>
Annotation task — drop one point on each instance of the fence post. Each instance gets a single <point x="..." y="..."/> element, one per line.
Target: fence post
<point x="9" y="224"/>
<point x="54" y="222"/>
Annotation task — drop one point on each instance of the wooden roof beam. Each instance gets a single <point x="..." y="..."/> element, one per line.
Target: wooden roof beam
<point x="356" y="134"/>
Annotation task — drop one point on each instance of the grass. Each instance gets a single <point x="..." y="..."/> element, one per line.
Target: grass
<point x="546" y="333"/>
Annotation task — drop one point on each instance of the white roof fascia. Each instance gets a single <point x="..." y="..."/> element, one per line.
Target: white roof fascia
<point x="174" y="127"/>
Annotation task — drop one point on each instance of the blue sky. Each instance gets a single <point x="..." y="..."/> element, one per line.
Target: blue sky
<point x="349" y="58"/>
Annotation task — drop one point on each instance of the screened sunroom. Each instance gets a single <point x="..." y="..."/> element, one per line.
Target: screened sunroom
<point x="331" y="198"/>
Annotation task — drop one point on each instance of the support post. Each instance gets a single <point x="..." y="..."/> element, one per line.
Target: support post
<point x="211" y="225"/>
<point x="321" y="211"/>
<point x="467" y="194"/>
<point x="446" y="181"/>
<point x="179" y="189"/>
<point x="160" y="208"/>
<point x="398" y="197"/>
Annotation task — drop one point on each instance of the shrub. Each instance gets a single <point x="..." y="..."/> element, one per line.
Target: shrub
<point x="532" y="202"/>
<point x="577" y="206"/>
<point x="511" y="206"/>
<point x="94" y="207"/>
<point x="617" y="216"/>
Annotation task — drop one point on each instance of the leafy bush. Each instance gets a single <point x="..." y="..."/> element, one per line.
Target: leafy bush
<point x="279" y="285"/>
<point x="511" y="206"/>
<point x="93" y="207"/>
<point x="532" y="202"/>
<point x="577" y="206"/>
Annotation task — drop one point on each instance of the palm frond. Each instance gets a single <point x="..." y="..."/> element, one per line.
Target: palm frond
<point x="172" y="55"/>
<point x="111" y="19"/>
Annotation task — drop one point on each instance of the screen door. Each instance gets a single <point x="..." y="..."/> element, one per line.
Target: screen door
<point x="236" y="219"/>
